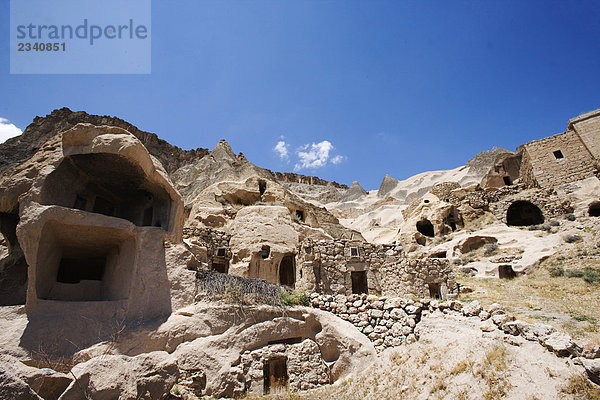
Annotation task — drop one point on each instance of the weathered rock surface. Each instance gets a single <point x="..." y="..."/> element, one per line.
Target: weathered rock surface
<point x="147" y="376"/>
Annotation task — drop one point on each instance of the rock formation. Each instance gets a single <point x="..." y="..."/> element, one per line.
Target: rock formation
<point x="131" y="268"/>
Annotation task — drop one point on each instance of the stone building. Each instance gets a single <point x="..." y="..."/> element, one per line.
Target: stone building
<point x="351" y="267"/>
<point x="566" y="157"/>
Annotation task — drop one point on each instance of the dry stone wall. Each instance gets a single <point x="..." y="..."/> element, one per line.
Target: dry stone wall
<point x="328" y="266"/>
<point x="393" y="321"/>
<point x="387" y="322"/>
<point x="210" y="239"/>
<point x="418" y="277"/>
<point x="306" y="368"/>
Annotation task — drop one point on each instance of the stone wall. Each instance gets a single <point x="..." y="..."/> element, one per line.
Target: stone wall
<point x="390" y="322"/>
<point x="548" y="170"/>
<point x="206" y="242"/>
<point x="387" y="322"/>
<point x="588" y="128"/>
<point x="418" y="277"/>
<point x="551" y="204"/>
<point x="327" y="266"/>
<point x="306" y="368"/>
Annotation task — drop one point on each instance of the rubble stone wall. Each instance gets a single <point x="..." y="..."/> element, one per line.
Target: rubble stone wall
<point x="305" y="366"/>
<point x="327" y="266"/>
<point x="418" y="277"/>
<point x="211" y="239"/>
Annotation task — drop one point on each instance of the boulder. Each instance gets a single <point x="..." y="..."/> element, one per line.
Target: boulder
<point x="147" y="376"/>
<point x="592" y="368"/>
<point x="562" y="345"/>
<point x="14" y="388"/>
<point x="472" y="309"/>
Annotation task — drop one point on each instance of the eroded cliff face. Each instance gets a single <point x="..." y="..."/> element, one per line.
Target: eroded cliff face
<point x="20" y="148"/>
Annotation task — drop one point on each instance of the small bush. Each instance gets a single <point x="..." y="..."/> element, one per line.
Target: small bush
<point x="588" y="274"/>
<point x="294" y="298"/>
<point x="554" y="223"/>
<point x="572" y="238"/>
<point x="238" y="290"/>
<point x="570" y="216"/>
<point x="591" y="275"/>
<point x="557" y="271"/>
<point x="490" y="249"/>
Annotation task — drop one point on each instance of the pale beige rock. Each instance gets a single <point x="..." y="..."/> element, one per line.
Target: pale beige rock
<point x="148" y="376"/>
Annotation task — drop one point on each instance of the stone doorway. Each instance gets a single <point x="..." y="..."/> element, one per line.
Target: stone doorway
<point x="287" y="271"/>
<point x="359" y="282"/>
<point x="275" y="375"/>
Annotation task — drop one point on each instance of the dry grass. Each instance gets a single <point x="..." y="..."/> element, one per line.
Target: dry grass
<point x="564" y="302"/>
<point x="580" y="388"/>
<point x="420" y="371"/>
<point x="493" y="372"/>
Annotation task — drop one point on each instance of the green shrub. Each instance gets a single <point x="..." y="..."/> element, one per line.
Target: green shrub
<point x="490" y="249"/>
<point x="557" y="271"/>
<point x="294" y="298"/>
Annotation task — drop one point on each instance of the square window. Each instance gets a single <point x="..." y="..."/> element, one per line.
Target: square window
<point x="558" y="154"/>
<point x="353" y="251"/>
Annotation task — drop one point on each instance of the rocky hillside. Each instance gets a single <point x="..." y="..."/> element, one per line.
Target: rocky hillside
<point x="20" y="148"/>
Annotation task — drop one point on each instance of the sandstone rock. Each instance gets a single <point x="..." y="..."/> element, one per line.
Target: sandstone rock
<point x="147" y="376"/>
<point x="472" y="309"/>
<point x="591" y="351"/>
<point x="45" y="382"/>
<point x="592" y="367"/>
<point x="488" y="326"/>
<point x="11" y="387"/>
<point x="561" y="344"/>
<point x="536" y="331"/>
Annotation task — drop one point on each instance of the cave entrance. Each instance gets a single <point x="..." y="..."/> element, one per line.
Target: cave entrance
<point x="435" y="290"/>
<point x="108" y="184"/>
<point x="359" y="282"/>
<point x="506" y="272"/>
<point x="287" y="271"/>
<point x="524" y="213"/>
<point x="425" y="227"/>
<point x="221" y="266"/>
<point x="275" y="375"/>
<point x="300" y="215"/>
<point x="13" y="267"/>
<point x="75" y="270"/>
<point x="594" y="210"/>
<point x="507" y="180"/>
<point x="262" y="187"/>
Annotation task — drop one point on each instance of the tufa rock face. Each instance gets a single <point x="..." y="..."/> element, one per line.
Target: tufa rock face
<point x="387" y="185"/>
<point x="94" y="208"/>
<point x="21" y="148"/>
<point x="215" y="188"/>
<point x="354" y="193"/>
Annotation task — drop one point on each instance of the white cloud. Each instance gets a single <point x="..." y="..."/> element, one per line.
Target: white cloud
<point x="7" y="130"/>
<point x="282" y="149"/>
<point x="316" y="155"/>
<point x="337" y="159"/>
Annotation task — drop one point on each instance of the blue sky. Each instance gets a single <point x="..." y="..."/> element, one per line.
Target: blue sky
<point x="354" y="89"/>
